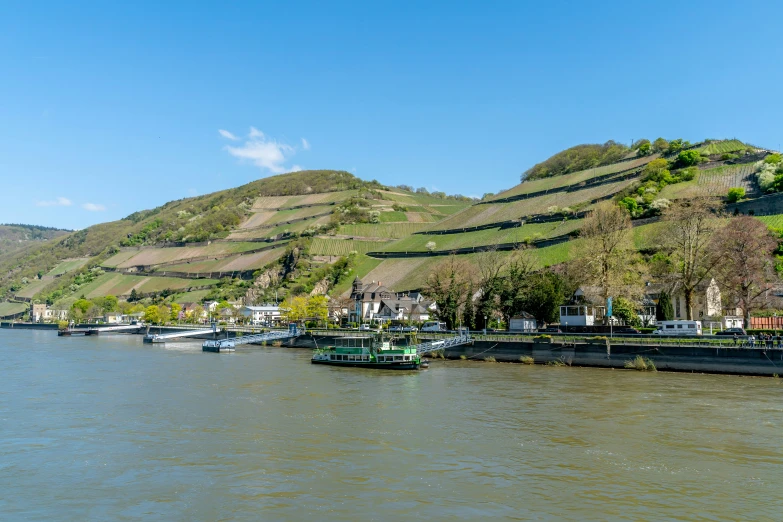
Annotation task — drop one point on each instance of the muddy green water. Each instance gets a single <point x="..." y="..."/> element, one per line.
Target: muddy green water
<point x="110" y="429"/>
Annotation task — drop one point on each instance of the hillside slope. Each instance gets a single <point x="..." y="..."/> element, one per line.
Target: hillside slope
<point x="285" y="234"/>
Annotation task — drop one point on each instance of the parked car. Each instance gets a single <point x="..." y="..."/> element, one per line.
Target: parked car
<point x="364" y="328"/>
<point x="400" y="328"/>
<point x="626" y="330"/>
<point x="550" y="329"/>
<point x="678" y="328"/>
<point x="732" y="331"/>
<point x="433" y="326"/>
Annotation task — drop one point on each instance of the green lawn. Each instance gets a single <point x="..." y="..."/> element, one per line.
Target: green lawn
<point x="773" y="221"/>
<point x="196" y="296"/>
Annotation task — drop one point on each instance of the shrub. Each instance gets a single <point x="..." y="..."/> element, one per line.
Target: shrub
<point x="773" y="159"/>
<point x="555" y="362"/>
<point x="688" y="158"/>
<point x="641" y="364"/>
<point x="766" y="180"/>
<point x="736" y="194"/>
<point x="728" y="156"/>
<point x="526" y="359"/>
<point x="489" y="358"/>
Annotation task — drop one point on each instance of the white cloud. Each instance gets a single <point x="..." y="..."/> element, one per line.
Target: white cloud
<point x="227" y="135"/>
<point x="59" y="202"/>
<point x="94" y="207"/>
<point x="266" y="153"/>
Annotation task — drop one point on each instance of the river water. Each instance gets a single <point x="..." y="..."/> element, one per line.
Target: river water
<point x="107" y="428"/>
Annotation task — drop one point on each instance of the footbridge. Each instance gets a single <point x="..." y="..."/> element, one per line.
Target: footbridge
<point x="162" y="338"/>
<point x="228" y="345"/>
<point x="440" y="344"/>
<point x="118" y="328"/>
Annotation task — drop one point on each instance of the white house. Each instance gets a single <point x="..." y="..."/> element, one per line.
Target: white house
<point x="115" y="318"/>
<point x="524" y="322"/>
<point x="405" y="308"/>
<point x="264" y="314"/>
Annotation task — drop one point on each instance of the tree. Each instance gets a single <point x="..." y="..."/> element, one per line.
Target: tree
<point x="152" y="315"/>
<point x="491" y="266"/>
<point x="294" y="309"/>
<point x="163" y="313"/>
<point x="675" y="146"/>
<point x="686" y="237"/>
<point x="515" y="284"/>
<point x="664" y="311"/>
<point x="543" y="297"/>
<point x="133" y="296"/>
<point x="688" y="158"/>
<point x="82" y="305"/>
<point x="736" y="194"/>
<point x="660" y="145"/>
<point x="626" y="311"/>
<point x="176" y="308"/>
<point x="645" y="149"/>
<point x="448" y="285"/>
<point x="340" y="307"/>
<point x="469" y="310"/>
<point x="603" y="255"/>
<point x="317" y="308"/>
<point x="745" y="248"/>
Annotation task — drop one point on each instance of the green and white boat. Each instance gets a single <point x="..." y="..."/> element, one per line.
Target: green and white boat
<point x="368" y="352"/>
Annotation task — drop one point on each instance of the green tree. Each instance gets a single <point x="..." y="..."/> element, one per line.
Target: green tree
<point x="152" y="315"/>
<point x="736" y="194"/>
<point x="545" y="294"/>
<point x="688" y="158"/>
<point x="625" y="310"/>
<point x="645" y="149"/>
<point x="317" y="308"/>
<point x="660" y="145"/>
<point x="133" y="296"/>
<point x="176" y="308"/>
<point x="448" y="286"/>
<point x="82" y="305"/>
<point x="664" y="311"/>
<point x="675" y="146"/>
<point x="294" y="309"/>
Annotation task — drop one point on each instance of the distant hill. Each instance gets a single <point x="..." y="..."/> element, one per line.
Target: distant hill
<point x="15" y="236"/>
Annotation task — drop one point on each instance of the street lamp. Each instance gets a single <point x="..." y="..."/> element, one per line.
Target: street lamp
<point x="485" y="325"/>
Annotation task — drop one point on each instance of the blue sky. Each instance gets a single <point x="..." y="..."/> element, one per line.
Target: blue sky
<point x="108" y="108"/>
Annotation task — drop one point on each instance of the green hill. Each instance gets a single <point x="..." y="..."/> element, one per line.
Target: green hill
<point x="285" y="234"/>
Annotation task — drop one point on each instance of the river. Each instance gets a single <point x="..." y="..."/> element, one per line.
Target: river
<point x="106" y="428"/>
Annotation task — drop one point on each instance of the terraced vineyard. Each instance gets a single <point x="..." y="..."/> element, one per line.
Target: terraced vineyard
<point x="499" y="212"/>
<point x="264" y="233"/>
<point x="528" y="187"/>
<point x="722" y="147"/>
<point x="29" y="291"/>
<point x="122" y="284"/>
<point x="382" y="230"/>
<point x="525" y="233"/>
<point x="8" y="309"/>
<point x="343" y="247"/>
<point x="715" y="182"/>
<point x="68" y="265"/>
<point x="275" y="202"/>
<point x="773" y="221"/>
<point x="237" y="263"/>
<point x="156" y="256"/>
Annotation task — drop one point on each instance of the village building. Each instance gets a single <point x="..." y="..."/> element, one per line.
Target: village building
<point x="522" y="322"/>
<point x="267" y="314"/>
<point x="402" y="309"/>
<point x="375" y="302"/>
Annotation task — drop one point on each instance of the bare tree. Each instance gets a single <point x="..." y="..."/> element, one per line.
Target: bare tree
<point x="744" y="247"/>
<point x="447" y="285"/>
<point x="340" y="306"/>
<point x="606" y="257"/>
<point x="686" y="237"/>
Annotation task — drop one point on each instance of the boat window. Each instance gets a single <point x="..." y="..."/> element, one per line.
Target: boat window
<point x="398" y="357"/>
<point x="332" y="357"/>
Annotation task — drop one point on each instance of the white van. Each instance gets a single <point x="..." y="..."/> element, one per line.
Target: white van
<point x="678" y="328"/>
<point x="433" y="326"/>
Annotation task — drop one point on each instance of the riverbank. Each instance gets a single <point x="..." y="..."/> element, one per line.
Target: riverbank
<point x="666" y="354"/>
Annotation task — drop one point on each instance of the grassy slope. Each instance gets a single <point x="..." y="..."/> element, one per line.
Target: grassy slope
<point x="8" y="309"/>
<point x="228" y="264"/>
<point x="343" y="247"/>
<point x="712" y="182"/>
<point x="68" y="265"/>
<point x="122" y="284"/>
